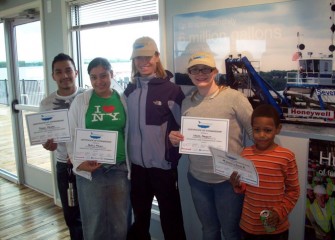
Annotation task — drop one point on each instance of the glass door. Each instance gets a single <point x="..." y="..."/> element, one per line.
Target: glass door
<point x="8" y="166"/>
<point x="26" y="89"/>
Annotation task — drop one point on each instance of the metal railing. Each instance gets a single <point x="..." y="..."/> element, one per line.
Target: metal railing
<point x="312" y="78"/>
<point x="31" y="92"/>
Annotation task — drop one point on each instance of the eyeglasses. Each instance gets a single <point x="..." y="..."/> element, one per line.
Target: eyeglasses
<point x="195" y="71"/>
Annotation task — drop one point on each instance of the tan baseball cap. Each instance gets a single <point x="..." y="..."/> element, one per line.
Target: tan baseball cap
<point x="144" y="46"/>
<point x="203" y="58"/>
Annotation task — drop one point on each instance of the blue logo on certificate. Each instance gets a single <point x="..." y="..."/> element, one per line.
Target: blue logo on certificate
<point x="46" y="117"/>
<point x="203" y="125"/>
<point x="95" y="136"/>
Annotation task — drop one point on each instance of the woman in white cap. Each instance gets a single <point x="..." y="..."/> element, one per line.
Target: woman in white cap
<point x="153" y="111"/>
<point x="218" y="206"/>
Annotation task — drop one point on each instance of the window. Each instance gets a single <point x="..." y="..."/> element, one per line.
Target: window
<point x="108" y="29"/>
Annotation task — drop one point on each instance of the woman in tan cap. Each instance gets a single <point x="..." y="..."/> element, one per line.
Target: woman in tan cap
<point x="217" y="205"/>
<point x="154" y="104"/>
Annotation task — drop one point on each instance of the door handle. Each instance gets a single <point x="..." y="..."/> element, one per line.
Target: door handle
<point x="15" y="102"/>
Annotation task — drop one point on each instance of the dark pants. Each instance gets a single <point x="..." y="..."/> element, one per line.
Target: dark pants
<point x="147" y="183"/>
<point x="71" y="214"/>
<point x="278" y="236"/>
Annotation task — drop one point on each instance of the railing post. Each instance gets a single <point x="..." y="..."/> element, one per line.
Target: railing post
<point x="24" y="90"/>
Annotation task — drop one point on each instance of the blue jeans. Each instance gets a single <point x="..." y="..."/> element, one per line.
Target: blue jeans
<point x="71" y="214"/>
<point x="218" y="207"/>
<point x="105" y="203"/>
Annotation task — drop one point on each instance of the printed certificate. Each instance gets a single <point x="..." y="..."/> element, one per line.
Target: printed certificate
<point x="96" y="145"/>
<point x="200" y="133"/>
<point x="226" y="163"/>
<point x="48" y="125"/>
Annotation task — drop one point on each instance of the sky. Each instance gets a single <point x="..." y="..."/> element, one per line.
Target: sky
<point x="116" y="42"/>
<point x="29" y="42"/>
<point x="266" y="33"/>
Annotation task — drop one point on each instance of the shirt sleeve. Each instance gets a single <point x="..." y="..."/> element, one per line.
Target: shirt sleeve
<point x="175" y="105"/>
<point x="74" y="118"/>
<point x="43" y="106"/>
<point x="243" y="111"/>
<point x="292" y="189"/>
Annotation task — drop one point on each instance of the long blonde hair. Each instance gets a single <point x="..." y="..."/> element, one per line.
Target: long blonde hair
<point x="160" y="70"/>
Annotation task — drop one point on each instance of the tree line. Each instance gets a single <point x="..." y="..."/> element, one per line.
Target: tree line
<point x="23" y="64"/>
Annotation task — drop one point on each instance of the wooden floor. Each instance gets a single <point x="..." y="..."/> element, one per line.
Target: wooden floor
<point x="27" y="214"/>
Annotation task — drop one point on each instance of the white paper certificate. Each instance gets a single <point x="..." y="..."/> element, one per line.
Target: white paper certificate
<point x="98" y="145"/>
<point x="48" y="125"/>
<point x="226" y="163"/>
<point x="200" y="133"/>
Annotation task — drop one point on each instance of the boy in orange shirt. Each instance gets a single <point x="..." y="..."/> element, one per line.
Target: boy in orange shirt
<point x="278" y="189"/>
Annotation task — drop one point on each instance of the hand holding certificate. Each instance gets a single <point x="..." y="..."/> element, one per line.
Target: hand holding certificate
<point x="225" y="164"/>
<point x="48" y="125"/>
<point x="96" y="145"/>
<point x="200" y="133"/>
